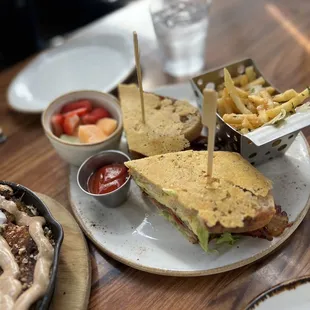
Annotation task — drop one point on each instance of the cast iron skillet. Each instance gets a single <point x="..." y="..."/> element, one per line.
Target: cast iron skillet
<point x="29" y="198"/>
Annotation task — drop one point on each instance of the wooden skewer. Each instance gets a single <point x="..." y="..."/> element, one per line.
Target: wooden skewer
<point x="209" y="120"/>
<point x="139" y="75"/>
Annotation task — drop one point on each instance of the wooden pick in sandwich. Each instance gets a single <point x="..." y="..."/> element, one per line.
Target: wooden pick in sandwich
<point x="139" y="75"/>
<point x="209" y="120"/>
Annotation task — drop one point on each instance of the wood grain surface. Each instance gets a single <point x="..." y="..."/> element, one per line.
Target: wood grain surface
<point x="275" y="34"/>
<point x="74" y="272"/>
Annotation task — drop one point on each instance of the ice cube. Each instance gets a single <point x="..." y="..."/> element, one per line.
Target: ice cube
<point x="181" y="5"/>
<point x="184" y="16"/>
<point x="170" y="23"/>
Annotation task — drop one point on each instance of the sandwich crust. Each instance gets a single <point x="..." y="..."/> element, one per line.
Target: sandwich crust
<point x="170" y="124"/>
<point x="238" y="198"/>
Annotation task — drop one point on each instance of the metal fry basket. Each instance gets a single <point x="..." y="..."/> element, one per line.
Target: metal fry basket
<point x="262" y="144"/>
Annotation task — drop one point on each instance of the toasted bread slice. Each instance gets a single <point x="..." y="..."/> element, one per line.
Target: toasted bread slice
<point x="238" y="199"/>
<point x="170" y="124"/>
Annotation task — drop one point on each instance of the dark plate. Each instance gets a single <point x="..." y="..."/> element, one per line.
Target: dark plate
<point x="31" y="198"/>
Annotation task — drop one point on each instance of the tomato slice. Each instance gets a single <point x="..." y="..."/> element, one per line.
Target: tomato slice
<point x="84" y="103"/>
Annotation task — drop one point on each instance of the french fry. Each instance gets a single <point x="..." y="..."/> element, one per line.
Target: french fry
<point x="286" y="96"/>
<point x="245" y="104"/>
<point x="221" y="106"/>
<point x="247" y="124"/>
<point x="265" y="95"/>
<point x="270" y="90"/>
<point x="262" y="115"/>
<point x="260" y="107"/>
<point x="230" y="106"/>
<point x="257" y="100"/>
<point x="239" y="121"/>
<point x="250" y="73"/>
<point x="225" y="93"/>
<point x="237" y="126"/>
<point x="259" y="81"/>
<point x="233" y="93"/>
<point x="289" y="105"/>
<point x="233" y="118"/>
<point x="249" y="105"/>
<point x="242" y="93"/>
<point x="254" y="120"/>
<point x="236" y="80"/>
<point x="243" y="80"/>
<point x="277" y="118"/>
<point x="224" y="105"/>
<point x="244" y="131"/>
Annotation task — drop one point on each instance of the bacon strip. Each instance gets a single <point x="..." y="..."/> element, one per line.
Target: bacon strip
<point x="275" y="227"/>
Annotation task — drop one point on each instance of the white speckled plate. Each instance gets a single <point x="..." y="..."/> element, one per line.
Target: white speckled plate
<point x="136" y="235"/>
<point x="290" y="295"/>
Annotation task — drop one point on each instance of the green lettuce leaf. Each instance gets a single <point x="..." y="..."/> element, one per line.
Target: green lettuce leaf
<point x="203" y="234"/>
<point x="227" y="238"/>
<point x="203" y="237"/>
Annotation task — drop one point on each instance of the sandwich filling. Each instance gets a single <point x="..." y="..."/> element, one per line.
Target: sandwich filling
<point x="237" y="200"/>
<point x="196" y="230"/>
<point x="274" y="228"/>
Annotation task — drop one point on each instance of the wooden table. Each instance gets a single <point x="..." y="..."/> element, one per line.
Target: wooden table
<point x="274" y="33"/>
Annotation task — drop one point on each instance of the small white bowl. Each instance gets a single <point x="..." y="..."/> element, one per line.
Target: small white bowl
<point x="76" y="154"/>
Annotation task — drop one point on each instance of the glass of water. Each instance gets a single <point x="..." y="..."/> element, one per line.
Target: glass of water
<point x="181" y="29"/>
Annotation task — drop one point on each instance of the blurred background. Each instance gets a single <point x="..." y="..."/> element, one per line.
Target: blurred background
<point x="33" y="23"/>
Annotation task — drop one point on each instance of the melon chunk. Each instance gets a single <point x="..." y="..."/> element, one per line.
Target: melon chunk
<point x="107" y="125"/>
<point x="91" y="134"/>
<point x="70" y="139"/>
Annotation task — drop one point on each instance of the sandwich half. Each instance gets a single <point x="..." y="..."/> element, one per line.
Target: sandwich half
<point x="170" y="124"/>
<point x="236" y="200"/>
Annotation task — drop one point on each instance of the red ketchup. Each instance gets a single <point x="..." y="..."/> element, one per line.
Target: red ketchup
<point x="107" y="179"/>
